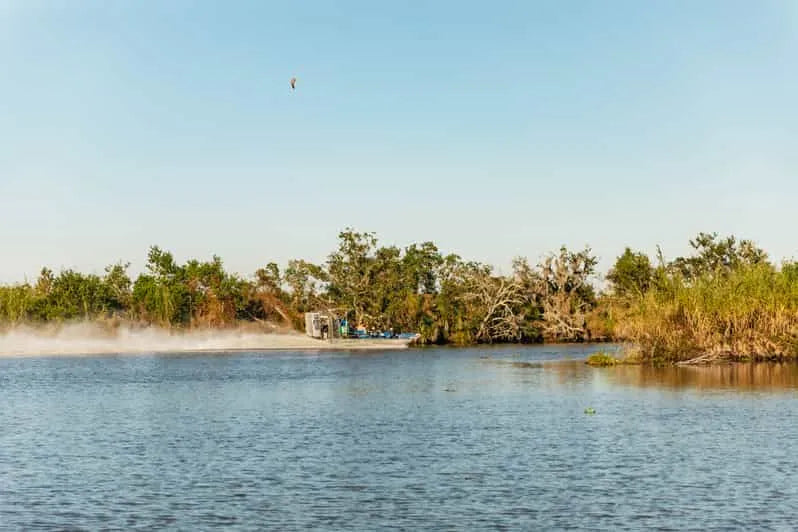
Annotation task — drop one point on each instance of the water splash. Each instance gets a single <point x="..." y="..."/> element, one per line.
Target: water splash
<point x="90" y="338"/>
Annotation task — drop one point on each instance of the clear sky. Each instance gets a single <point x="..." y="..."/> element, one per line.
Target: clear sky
<point x="495" y="129"/>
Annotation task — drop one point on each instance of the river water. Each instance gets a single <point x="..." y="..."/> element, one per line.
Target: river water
<point x="460" y="439"/>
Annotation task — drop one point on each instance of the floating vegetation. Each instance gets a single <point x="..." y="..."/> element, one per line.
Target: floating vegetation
<point x="602" y="359"/>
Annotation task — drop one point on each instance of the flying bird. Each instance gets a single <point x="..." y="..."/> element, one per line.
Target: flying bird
<point x="293" y="83"/>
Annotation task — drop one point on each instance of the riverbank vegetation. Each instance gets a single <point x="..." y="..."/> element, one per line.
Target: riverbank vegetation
<point x="443" y="297"/>
<point x="725" y="300"/>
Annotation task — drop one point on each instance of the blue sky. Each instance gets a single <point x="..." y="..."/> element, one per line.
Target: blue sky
<point x="494" y="129"/>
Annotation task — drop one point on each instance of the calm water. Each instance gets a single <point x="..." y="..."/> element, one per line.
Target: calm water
<point x="436" y="438"/>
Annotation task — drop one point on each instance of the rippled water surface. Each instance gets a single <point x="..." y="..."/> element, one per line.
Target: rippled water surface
<point x="419" y="439"/>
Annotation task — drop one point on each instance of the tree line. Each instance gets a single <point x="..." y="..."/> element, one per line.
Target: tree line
<point x="725" y="297"/>
<point x="443" y="297"/>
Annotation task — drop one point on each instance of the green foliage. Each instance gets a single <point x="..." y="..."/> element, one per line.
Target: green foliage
<point x="305" y="281"/>
<point x="632" y="274"/>
<point x="790" y="271"/>
<point x="444" y="298"/>
<point x="15" y="303"/>
<point x="727" y="301"/>
<point x="161" y="296"/>
<point x="601" y="359"/>
<point x="725" y="298"/>
<point x="351" y="269"/>
<point x="67" y="296"/>
<point x="715" y="256"/>
<point x="195" y="293"/>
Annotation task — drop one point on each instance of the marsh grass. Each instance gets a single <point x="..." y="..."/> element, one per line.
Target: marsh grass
<point x="749" y="313"/>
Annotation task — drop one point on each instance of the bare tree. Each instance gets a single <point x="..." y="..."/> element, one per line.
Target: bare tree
<point x="560" y="286"/>
<point x="497" y="301"/>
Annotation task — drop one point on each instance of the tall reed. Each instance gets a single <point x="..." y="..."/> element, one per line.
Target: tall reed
<point x="747" y="313"/>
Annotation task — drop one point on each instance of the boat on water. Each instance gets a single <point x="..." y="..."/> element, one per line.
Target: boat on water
<point x="372" y="343"/>
<point x="327" y="326"/>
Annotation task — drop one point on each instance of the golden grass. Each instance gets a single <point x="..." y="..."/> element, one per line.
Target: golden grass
<point x="750" y="313"/>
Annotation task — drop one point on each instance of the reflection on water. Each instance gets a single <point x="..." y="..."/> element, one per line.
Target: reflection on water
<point x="461" y="439"/>
<point x="734" y="376"/>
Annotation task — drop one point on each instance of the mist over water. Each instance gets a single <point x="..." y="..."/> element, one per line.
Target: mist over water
<point x="89" y="338"/>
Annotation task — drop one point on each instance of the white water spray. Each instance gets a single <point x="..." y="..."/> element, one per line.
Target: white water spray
<point x="89" y="339"/>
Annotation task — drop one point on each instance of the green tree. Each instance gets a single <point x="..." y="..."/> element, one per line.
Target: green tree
<point x="161" y="296"/>
<point x="350" y="270"/>
<point x="118" y="287"/>
<point x="305" y="281"/>
<point x="716" y="256"/>
<point x="70" y="295"/>
<point x="631" y="275"/>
